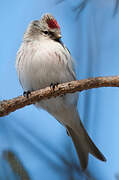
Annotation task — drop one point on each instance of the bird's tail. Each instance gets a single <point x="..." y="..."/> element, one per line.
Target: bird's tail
<point x="84" y="145"/>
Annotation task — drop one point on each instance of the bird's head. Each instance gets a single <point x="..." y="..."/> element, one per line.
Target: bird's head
<point x="47" y="26"/>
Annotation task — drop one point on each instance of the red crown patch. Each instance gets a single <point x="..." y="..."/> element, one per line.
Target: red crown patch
<point x="52" y="23"/>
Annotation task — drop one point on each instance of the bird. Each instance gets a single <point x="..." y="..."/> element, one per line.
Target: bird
<point x="42" y="60"/>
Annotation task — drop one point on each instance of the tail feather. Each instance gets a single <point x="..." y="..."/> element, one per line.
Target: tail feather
<point x="84" y="145"/>
<point x="80" y="148"/>
<point x="92" y="147"/>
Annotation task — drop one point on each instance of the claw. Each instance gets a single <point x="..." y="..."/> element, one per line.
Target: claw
<point x="26" y="94"/>
<point x="53" y="85"/>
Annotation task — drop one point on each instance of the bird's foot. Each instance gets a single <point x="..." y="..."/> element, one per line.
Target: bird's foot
<point x="26" y="94"/>
<point x="53" y="85"/>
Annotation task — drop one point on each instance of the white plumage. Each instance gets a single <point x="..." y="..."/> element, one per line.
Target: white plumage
<point x="41" y="60"/>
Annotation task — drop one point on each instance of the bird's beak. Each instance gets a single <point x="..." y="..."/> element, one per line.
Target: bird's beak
<point x="58" y="36"/>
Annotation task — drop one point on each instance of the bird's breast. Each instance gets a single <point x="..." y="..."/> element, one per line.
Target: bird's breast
<point x="40" y="64"/>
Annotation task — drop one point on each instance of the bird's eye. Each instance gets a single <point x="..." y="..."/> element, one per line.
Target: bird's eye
<point x="45" y="32"/>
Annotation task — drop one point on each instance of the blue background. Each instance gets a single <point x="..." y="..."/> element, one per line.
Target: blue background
<point x="90" y="29"/>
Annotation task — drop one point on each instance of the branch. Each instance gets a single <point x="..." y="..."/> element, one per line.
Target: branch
<point x="8" y="106"/>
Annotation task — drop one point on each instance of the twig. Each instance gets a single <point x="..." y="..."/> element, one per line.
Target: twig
<point x="8" y="106"/>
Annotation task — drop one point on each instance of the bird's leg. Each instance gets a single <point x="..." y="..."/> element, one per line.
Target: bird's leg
<point x="26" y="94"/>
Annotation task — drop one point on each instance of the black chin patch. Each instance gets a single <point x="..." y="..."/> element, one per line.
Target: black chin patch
<point x="60" y="41"/>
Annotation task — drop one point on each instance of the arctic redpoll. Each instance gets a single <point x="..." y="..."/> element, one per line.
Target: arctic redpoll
<point x="43" y="59"/>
